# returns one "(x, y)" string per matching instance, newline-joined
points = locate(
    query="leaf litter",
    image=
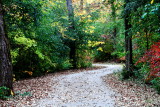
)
(132, 93)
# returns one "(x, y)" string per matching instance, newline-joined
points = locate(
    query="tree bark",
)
(71, 28)
(6, 76)
(128, 43)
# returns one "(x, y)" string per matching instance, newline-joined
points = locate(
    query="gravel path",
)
(72, 88)
(84, 89)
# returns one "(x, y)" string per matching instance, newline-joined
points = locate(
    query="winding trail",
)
(83, 89)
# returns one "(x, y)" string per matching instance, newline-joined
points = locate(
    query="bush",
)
(151, 59)
(104, 49)
(156, 84)
(126, 74)
(4, 92)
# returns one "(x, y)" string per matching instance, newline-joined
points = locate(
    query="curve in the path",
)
(84, 89)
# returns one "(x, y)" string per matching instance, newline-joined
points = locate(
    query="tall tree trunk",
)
(70, 15)
(113, 18)
(71, 28)
(128, 44)
(81, 5)
(6, 78)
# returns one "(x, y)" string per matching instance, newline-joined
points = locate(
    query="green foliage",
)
(143, 71)
(104, 50)
(40, 38)
(39, 35)
(18, 93)
(151, 10)
(156, 84)
(36, 30)
(126, 74)
(145, 31)
(4, 92)
(114, 28)
(85, 57)
(144, 18)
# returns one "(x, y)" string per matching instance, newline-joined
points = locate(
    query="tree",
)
(128, 42)
(113, 14)
(71, 28)
(130, 8)
(81, 4)
(6, 78)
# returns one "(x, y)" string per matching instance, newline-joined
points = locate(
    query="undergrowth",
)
(4, 92)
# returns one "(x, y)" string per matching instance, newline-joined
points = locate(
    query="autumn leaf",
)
(12, 93)
(152, 1)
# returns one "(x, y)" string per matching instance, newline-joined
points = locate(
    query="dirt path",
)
(84, 89)
(72, 88)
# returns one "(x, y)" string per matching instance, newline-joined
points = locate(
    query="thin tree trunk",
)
(128, 44)
(71, 28)
(6, 78)
(147, 41)
(81, 5)
(70, 15)
(113, 17)
(114, 31)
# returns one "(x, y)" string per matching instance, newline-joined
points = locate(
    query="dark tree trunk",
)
(6, 78)
(115, 33)
(73, 53)
(128, 44)
(71, 28)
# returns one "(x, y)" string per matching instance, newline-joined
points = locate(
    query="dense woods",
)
(45, 36)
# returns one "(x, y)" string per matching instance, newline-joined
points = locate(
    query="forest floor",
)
(98, 87)
(133, 92)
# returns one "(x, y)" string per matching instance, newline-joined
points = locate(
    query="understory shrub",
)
(104, 49)
(150, 66)
(4, 92)
(151, 59)
(84, 56)
(126, 74)
(156, 84)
